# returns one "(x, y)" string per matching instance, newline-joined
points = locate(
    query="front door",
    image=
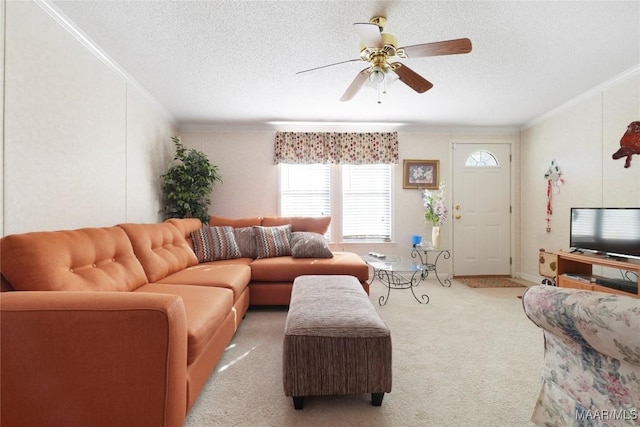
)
(481, 209)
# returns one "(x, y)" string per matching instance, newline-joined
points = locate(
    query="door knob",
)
(458, 216)
(457, 207)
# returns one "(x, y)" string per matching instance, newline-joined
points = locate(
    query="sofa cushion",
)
(214, 243)
(287, 268)
(206, 309)
(161, 248)
(186, 226)
(246, 240)
(234, 276)
(234, 222)
(88, 259)
(273, 241)
(318, 224)
(305, 244)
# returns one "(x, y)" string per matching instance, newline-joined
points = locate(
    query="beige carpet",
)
(469, 357)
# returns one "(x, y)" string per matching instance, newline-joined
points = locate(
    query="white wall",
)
(2, 50)
(245, 162)
(581, 137)
(82, 145)
(250, 179)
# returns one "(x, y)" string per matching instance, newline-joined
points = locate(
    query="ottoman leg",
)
(376, 399)
(298, 402)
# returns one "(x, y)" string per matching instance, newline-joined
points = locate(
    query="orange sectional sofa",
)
(136, 321)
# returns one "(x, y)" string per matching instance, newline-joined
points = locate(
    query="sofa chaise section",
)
(272, 277)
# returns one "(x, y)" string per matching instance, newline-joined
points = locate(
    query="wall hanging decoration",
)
(629, 143)
(554, 181)
(421, 174)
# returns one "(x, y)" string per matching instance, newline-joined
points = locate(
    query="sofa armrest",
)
(607, 323)
(92, 358)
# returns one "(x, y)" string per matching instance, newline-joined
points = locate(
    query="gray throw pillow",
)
(246, 240)
(305, 244)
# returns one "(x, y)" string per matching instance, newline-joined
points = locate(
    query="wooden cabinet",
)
(576, 271)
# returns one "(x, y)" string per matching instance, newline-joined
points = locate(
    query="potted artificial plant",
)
(188, 183)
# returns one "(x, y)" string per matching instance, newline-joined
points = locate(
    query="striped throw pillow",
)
(215, 243)
(273, 241)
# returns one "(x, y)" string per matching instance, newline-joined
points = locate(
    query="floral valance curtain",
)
(336, 147)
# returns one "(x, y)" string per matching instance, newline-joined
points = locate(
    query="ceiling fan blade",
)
(329, 65)
(446, 47)
(369, 34)
(355, 85)
(412, 79)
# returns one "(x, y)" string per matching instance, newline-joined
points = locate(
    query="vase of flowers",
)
(435, 237)
(435, 212)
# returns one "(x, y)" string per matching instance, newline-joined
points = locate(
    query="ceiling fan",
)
(380, 50)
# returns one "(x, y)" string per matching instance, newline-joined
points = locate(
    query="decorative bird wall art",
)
(629, 143)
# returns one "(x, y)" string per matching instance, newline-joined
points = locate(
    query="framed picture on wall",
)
(421, 174)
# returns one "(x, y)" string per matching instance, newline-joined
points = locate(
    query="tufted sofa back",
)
(318, 224)
(88, 259)
(161, 248)
(186, 226)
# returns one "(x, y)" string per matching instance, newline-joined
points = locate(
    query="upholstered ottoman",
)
(334, 341)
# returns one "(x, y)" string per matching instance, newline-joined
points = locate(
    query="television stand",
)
(576, 271)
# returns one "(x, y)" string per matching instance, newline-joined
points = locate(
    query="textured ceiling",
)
(233, 63)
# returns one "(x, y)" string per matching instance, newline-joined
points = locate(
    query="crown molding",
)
(584, 96)
(310, 126)
(68, 25)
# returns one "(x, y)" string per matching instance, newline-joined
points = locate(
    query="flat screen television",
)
(611, 231)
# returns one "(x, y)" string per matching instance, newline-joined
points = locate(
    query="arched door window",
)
(481, 159)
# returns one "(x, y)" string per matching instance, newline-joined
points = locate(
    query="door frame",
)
(514, 183)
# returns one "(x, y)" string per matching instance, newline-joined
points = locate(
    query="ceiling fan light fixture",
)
(376, 76)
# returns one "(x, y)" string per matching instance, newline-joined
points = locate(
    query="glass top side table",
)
(428, 258)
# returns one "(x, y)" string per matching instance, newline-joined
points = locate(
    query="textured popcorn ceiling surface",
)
(233, 63)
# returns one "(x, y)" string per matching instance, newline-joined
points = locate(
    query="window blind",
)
(305, 190)
(366, 202)
(363, 205)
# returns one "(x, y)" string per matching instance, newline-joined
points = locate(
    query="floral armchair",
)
(591, 370)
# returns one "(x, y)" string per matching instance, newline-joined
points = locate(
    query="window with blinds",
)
(305, 190)
(366, 202)
(362, 201)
